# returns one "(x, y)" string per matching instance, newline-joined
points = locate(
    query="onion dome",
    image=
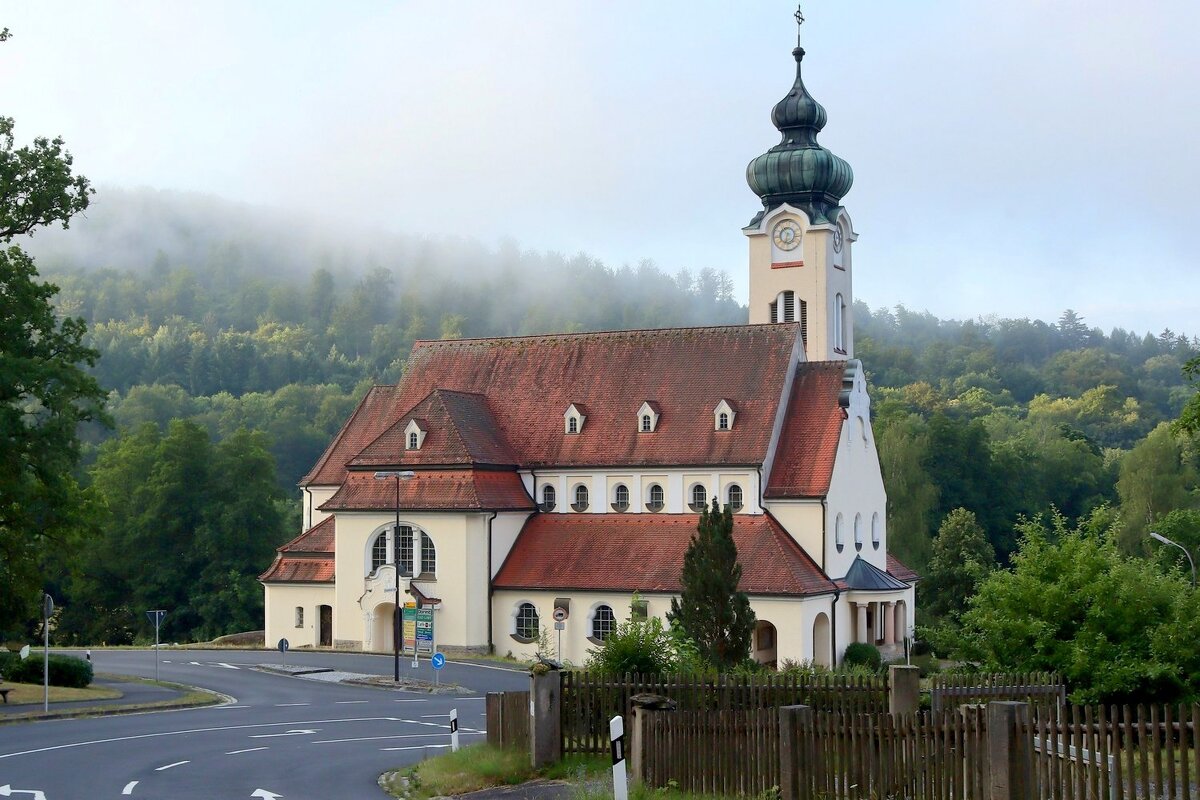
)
(799, 171)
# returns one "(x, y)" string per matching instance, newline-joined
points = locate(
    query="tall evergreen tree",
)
(710, 609)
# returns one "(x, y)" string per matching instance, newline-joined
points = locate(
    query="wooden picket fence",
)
(729, 752)
(590, 700)
(1037, 688)
(1116, 753)
(508, 719)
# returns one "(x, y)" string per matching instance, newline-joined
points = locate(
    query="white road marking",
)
(297, 732)
(195, 730)
(265, 795)
(35, 794)
(349, 702)
(464, 731)
(168, 766)
(418, 747)
(224, 707)
(287, 705)
(247, 750)
(226, 666)
(129, 787)
(410, 701)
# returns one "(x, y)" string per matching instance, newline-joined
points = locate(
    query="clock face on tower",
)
(786, 235)
(837, 239)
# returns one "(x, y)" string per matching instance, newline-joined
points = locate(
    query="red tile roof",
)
(898, 570)
(317, 539)
(460, 430)
(808, 444)
(644, 552)
(299, 570)
(529, 381)
(433, 490)
(374, 414)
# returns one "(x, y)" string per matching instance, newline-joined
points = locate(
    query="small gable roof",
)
(644, 552)
(317, 539)
(808, 444)
(459, 429)
(374, 414)
(306, 559)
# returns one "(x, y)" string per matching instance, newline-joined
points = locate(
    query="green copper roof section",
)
(798, 170)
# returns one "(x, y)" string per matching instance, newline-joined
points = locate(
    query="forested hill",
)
(236, 317)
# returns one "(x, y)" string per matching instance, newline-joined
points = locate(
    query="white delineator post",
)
(616, 731)
(454, 729)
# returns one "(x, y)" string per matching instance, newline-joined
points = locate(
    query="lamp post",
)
(1159, 537)
(404, 475)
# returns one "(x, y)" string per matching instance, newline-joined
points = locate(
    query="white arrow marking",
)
(129, 787)
(168, 766)
(226, 666)
(8, 791)
(297, 732)
(265, 795)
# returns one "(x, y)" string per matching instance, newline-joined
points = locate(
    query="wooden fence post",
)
(1010, 758)
(494, 706)
(904, 689)
(545, 724)
(793, 750)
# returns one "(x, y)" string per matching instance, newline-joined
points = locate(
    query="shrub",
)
(64, 671)
(861, 654)
(639, 645)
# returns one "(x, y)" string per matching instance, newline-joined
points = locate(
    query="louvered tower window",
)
(789, 306)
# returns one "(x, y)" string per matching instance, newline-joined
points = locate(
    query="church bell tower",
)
(800, 243)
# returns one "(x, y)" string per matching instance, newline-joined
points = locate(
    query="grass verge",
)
(481, 766)
(23, 693)
(191, 697)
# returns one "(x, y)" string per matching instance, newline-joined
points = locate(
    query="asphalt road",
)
(282, 737)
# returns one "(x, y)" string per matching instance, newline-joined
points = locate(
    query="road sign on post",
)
(156, 617)
(437, 661)
(283, 648)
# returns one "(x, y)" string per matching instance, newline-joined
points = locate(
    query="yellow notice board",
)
(410, 625)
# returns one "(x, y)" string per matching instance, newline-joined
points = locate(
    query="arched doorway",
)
(822, 655)
(765, 644)
(381, 638)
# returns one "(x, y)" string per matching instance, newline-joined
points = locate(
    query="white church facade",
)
(504, 482)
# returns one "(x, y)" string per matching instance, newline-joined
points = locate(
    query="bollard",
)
(454, 729)
(616, 733)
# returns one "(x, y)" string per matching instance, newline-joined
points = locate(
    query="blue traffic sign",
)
(438, 661)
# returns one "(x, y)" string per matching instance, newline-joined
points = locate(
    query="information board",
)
(410, 625)
(424, 621)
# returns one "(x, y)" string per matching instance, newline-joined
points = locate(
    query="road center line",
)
(286, 705)
(348, 702)
(247, 750)
(129, 787)
(168, 766)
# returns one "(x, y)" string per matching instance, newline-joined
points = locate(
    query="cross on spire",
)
(799, 15)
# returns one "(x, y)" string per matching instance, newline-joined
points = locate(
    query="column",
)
(889, 623)
(861, 634)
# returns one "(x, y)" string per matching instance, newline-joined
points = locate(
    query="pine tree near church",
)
(710, 609)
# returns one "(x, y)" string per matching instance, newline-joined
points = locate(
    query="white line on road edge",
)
(225, 707)
(298, 732)
(129, 787)
(434, 716)
(410, 701)
(199, 730)
(348, 702)
(464, 731)
(247, 750)
(168, 766)
(286, 705)
(418, 747)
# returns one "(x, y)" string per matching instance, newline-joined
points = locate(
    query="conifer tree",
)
(710, 609)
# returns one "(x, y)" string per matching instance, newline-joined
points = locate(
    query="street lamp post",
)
(1160, 538)
(403, 475)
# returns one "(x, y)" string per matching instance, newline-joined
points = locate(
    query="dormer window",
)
(581, 498)
(621, 498)
(573, 419)
(549, 501)
(656, 499)
(699, 497)
(723, 416)
(414, 434)
(648, 417)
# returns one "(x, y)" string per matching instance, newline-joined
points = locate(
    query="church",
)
(511, 493)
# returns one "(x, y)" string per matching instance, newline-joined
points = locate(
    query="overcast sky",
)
(1013, 158)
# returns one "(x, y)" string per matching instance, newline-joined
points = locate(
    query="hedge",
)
(64, 670)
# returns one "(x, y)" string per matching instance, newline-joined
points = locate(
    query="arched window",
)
(735, 497)
(548, 498)
(839, 323)
(379, 551)
(647, 423)
(428, 555)
(875, 530)
(406, 550)
(839, 536)
(581, 498)
(527, 622)
(299, 616)
(572, 425)
(858, 540)
(657, 498)
(621, 498)
(723, 422)
(603, 623)
(699, 497)
(412, 441)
